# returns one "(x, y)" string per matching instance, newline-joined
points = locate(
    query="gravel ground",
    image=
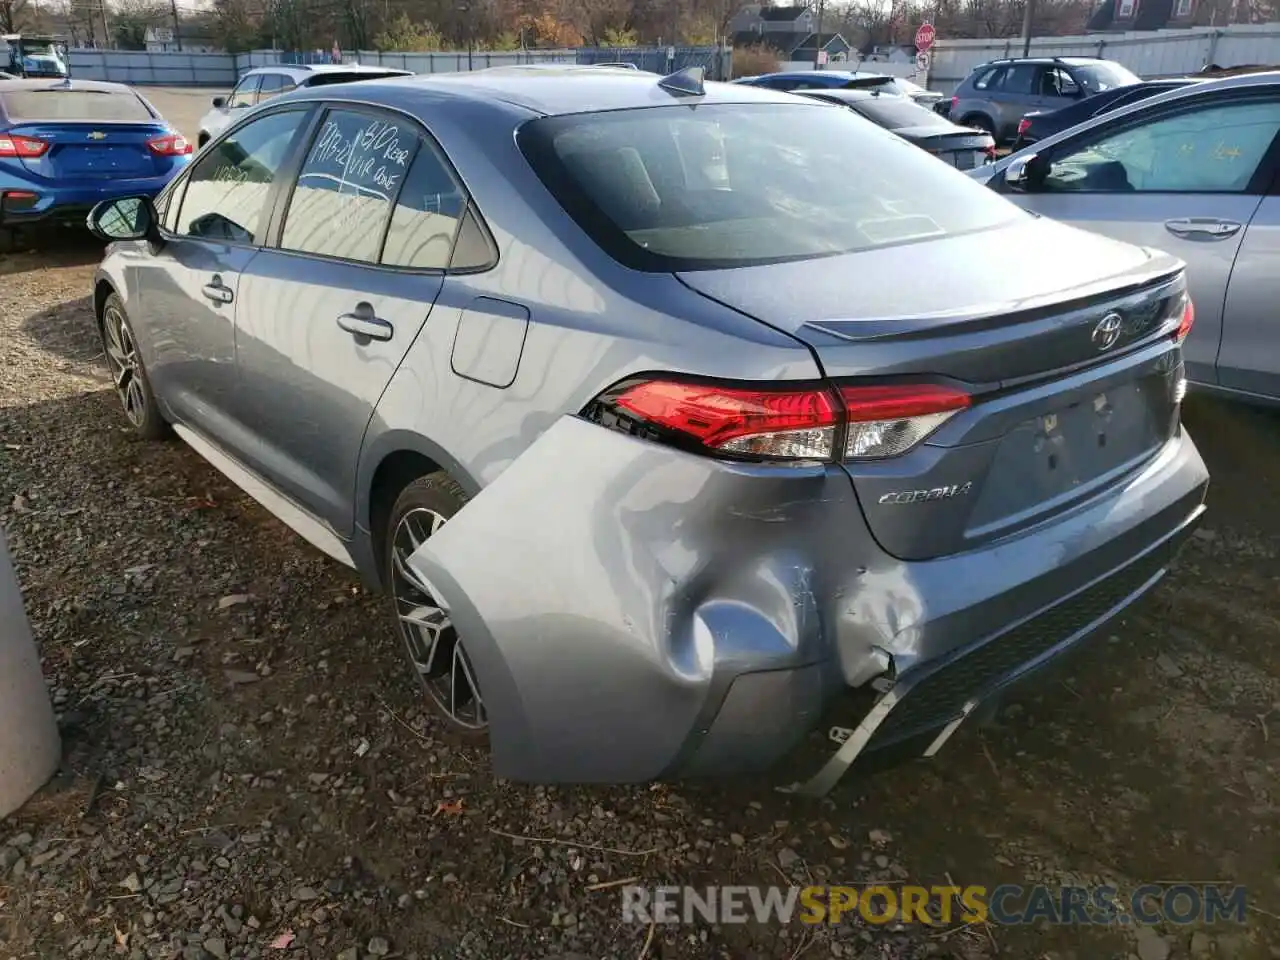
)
(248, 771)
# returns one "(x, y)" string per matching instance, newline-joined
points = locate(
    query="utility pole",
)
(177, 25)
(1027, 13)
(106, 29)
(817, 41)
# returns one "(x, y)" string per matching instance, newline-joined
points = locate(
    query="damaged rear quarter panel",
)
(681, 572)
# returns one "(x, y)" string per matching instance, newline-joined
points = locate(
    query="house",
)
(162, 40)
(890, 53)
(1119, 15)
(791, 30)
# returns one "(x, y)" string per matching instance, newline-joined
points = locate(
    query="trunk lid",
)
(1056, 417)
(964, 149)
(87, 151)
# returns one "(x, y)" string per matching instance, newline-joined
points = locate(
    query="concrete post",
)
(30, 748)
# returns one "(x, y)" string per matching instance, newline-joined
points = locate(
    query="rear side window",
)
(666, 188)
(347, 186)
(1020, 78)
(104, 106)
(986, 78)
(426, 216)
(272, 86)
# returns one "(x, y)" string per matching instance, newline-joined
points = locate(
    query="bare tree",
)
(13, 16)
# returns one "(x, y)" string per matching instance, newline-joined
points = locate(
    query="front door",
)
(1186, 179)
(1250, 356)
(326, 317)
(188, 291)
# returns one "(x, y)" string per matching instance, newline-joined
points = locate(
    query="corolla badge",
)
(926, 496)
(1107, 332)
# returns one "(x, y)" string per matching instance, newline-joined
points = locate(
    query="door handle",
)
(215, 291)
(365, 325)
(1207, 227)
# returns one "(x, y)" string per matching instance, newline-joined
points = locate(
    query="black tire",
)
(202, 140)
(128, 375)
(982, 122)
(420, 509)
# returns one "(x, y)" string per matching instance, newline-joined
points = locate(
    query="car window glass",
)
(780, 83)
(1212, 149)
(230, 184)
(246, 92)
(286, 84)
(472, 250)
(426, 215)
(271, 84)
(1019, 78)
(170, 219)
(988, 79)
(356, 165)
(1056, 82)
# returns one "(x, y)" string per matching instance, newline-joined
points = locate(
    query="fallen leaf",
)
(122, 939)
(283, 942)
(453, 808)
(840, 843)
(235, 600)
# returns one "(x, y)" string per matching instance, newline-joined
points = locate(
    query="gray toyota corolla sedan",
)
(679, 421)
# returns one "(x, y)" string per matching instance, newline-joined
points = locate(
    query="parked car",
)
(264, 83)
(1039, 124)
(823, 80)
(1194, 171)
(997, 94)
(643, 415)
(961, 147)
(66, 145)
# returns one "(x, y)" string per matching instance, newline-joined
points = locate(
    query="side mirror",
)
(129, 218)
(1025, 173)
(219, 102)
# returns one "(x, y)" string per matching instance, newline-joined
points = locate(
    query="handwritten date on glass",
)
(377, 153)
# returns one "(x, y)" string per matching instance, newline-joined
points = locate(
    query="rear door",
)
(1249, 359)
(361, 246)
(1186, 178)
(1018, 93)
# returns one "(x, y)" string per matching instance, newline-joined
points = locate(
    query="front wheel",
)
(435, 652)
(128, 376)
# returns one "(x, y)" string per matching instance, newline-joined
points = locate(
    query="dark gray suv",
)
(998, 93)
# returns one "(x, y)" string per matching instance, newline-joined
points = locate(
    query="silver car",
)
(1195, 171)
(265, 83)
(629, 395)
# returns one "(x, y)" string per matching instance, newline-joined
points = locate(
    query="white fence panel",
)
(1149, 54)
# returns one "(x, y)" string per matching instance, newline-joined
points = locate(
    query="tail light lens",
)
(955, 102)
(889, 421)
(991, 153)
(23, 148)
(170, 145)
(1188, 320)
(1023, 126)
(780, 423)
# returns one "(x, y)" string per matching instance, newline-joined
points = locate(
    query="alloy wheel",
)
(124, 366)
(429, 635)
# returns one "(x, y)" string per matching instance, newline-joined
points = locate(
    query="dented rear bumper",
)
(634, 612)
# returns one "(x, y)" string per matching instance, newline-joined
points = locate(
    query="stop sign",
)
(925, 36)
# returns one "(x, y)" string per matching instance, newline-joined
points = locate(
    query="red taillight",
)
(1187, 322)
(170, 145)
(991, 152)
(1023, 126)
(777, 423)
(23, 148)
(955, 101)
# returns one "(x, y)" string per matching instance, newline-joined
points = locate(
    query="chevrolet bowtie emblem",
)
(97, 135)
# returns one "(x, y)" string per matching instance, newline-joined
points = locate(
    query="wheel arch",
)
(389, 464)
(102, 288)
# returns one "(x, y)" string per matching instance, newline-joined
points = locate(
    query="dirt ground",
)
(247, 764)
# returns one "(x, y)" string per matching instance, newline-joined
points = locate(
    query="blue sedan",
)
(66, 145)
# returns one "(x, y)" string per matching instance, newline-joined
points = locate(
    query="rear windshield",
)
(896, 113)
(679, 188)
(95, 106)
(324, 79)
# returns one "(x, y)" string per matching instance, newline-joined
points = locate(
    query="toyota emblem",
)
(1107, 332)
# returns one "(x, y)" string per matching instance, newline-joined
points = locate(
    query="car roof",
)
(544, 90)
(53, 83)
(298, 70)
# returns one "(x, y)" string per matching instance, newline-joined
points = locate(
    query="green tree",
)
(404, 35)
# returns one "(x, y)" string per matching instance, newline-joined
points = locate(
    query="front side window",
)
(227, 193)
(1056, 82)
(666, 188)
(1212, 149)
(272, 85)
(246, 92)
(1103, 75)
(347, 186)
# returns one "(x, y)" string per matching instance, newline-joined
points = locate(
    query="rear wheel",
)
(435, 652)
(981, 121)
(128, 376)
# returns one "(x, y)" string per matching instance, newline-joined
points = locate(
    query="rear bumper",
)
(636, 613)
(62, 204)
